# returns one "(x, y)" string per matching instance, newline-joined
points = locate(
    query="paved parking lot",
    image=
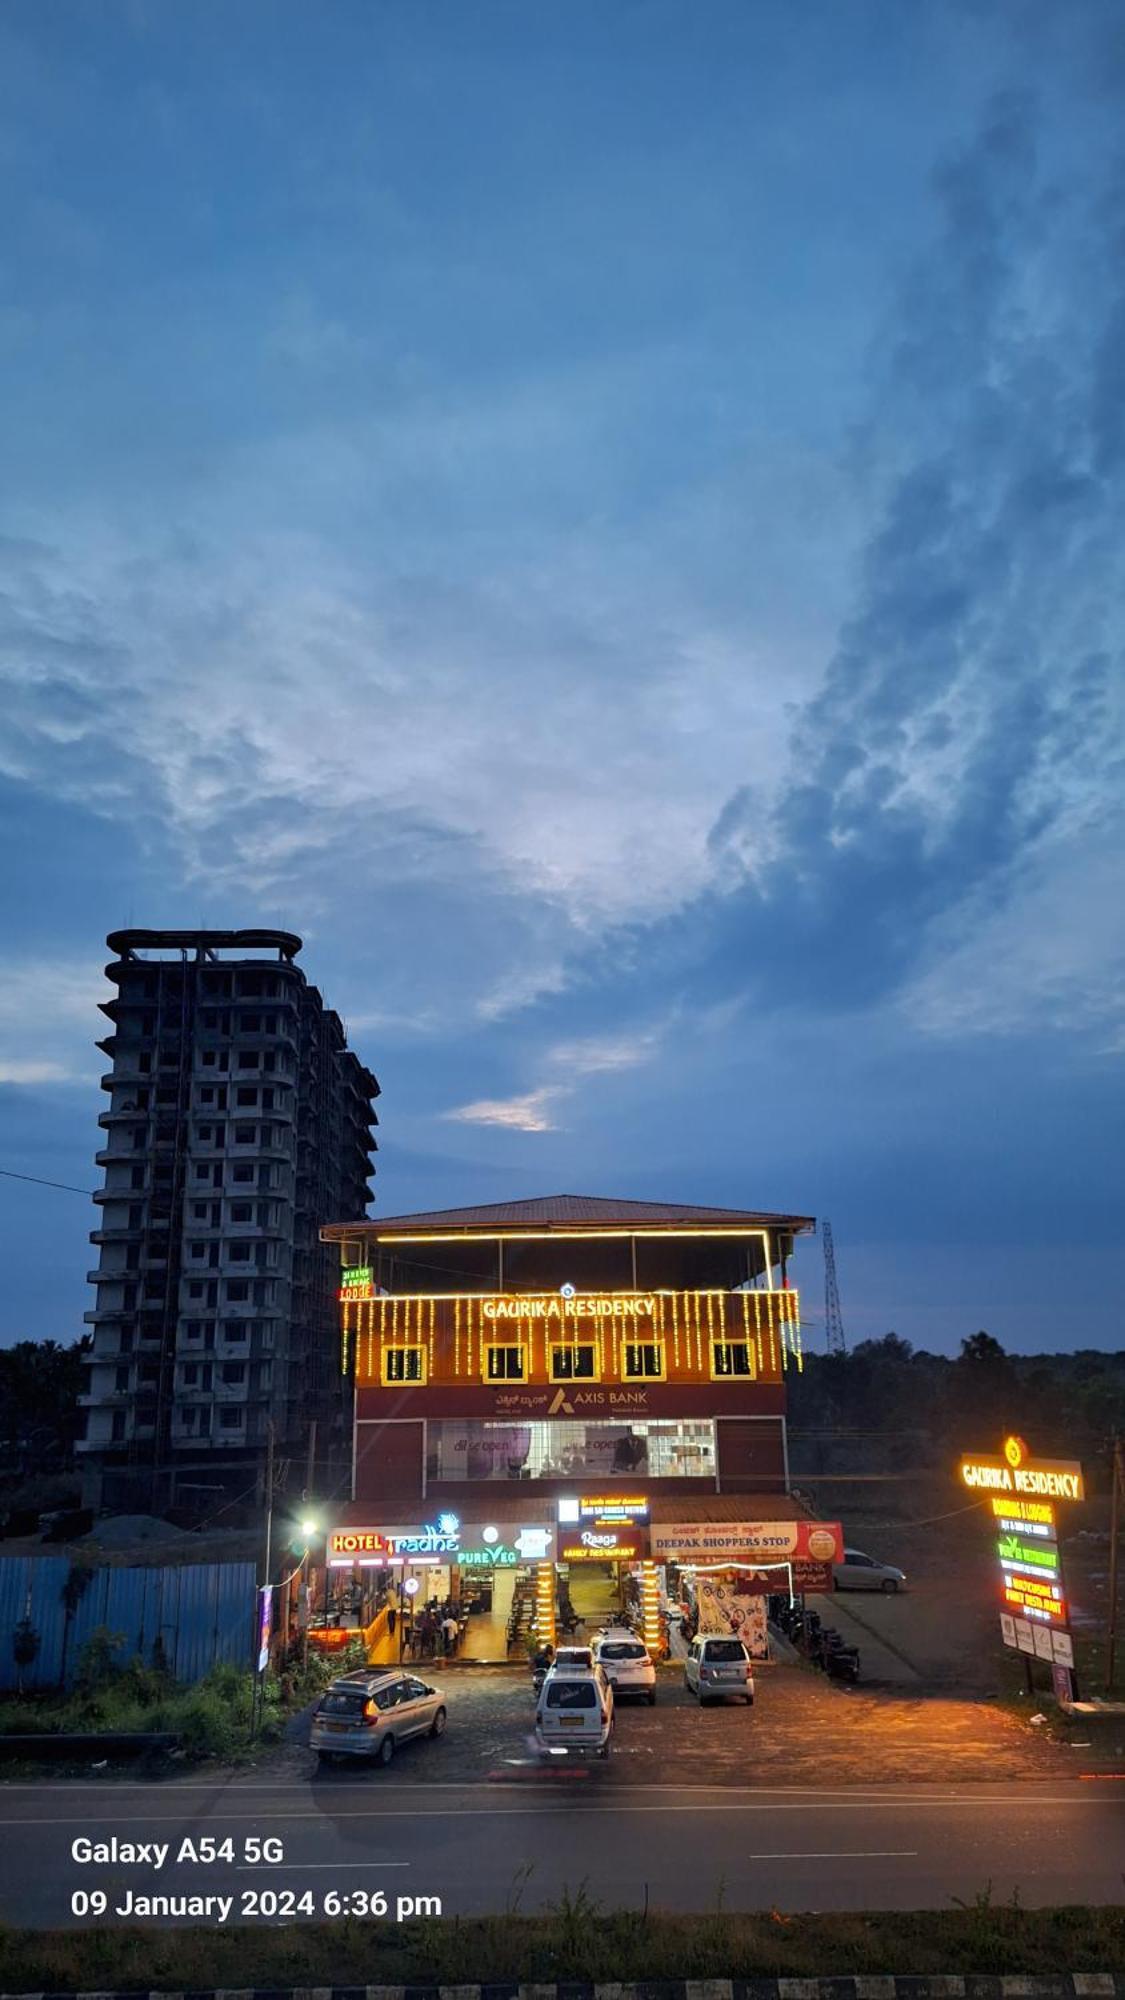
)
(802, 1730)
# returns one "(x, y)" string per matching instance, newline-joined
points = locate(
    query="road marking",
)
(846, 1854)
(552, 1808)
(172, 1789)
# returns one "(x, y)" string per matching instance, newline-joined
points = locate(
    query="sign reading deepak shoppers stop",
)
(804, 1550)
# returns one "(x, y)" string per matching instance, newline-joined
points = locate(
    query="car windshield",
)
(725, 1649)
(574, 1656)
(625, 1651)
(571, 1694)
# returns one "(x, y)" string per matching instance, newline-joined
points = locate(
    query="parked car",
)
(574, 1712)
(718, 1667)
(627, 1665)
(368, 1714)
(860, 1572)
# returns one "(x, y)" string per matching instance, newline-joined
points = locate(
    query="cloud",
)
(592, 1055)
(49, 1020)
(969, 733)
(33, 1072)
(598, 1053)
(530, 1113)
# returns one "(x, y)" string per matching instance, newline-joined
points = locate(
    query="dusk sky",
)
(608, 520)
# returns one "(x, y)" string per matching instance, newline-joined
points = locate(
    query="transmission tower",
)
(833, 1318)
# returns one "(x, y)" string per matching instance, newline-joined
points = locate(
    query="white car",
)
(574, 1659)
(860, 1572)
(574, 1712)
(627, 1665)
(717, 1667)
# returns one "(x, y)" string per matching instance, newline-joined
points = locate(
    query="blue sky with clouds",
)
(608, 520)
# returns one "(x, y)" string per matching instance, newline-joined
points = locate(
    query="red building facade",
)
(557, 1402)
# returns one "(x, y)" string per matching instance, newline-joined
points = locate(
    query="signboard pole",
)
(1066, 1601)
(1114, 1529)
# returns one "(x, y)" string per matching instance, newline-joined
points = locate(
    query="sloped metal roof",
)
(569, 1211)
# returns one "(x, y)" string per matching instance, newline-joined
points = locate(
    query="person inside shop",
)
(450, 1631)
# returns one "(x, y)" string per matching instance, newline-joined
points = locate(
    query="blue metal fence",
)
(202, 1613)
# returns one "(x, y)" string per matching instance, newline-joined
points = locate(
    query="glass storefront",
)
(457, 1452)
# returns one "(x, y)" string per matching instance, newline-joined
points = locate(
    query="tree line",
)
(884, 1399)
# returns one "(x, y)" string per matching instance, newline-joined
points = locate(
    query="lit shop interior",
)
(492, 1590)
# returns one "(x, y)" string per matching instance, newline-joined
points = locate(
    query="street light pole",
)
(259, 1681)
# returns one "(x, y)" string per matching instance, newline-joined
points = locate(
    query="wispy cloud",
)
(529, 1113)
(49, 1020)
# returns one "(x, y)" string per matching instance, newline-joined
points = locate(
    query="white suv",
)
(628, 1668)
(717, 1667)
(574, 1712)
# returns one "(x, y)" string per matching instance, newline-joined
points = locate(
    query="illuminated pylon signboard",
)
(1023, 1493)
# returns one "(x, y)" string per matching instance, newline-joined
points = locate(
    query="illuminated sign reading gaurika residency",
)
(552, 1306)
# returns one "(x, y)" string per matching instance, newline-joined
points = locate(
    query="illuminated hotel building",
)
(552, 1380)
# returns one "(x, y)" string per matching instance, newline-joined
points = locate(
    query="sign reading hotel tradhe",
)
(1034, 1478)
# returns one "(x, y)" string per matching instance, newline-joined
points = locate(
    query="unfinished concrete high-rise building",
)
(238, 1122)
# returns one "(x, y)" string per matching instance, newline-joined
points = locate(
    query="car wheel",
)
(325, 1757)
(437, 1726)
(749, 1701)
(652, 1697)
(890, 1587)
(603, 1750)
(385, 1751)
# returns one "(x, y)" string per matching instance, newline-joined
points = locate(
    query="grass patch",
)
(575, 1939)
(212, 1717)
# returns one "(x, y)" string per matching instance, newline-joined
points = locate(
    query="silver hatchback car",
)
(860, 1572)
(718, 1667)
(368, 1714)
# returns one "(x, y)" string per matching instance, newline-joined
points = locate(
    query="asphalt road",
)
(520, 1842)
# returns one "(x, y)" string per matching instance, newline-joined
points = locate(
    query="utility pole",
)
(833, 1318)
(267, 1563)
(269, 1502)
(1114, 1531)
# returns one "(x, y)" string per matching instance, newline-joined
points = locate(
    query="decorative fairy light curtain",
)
(454, 1329)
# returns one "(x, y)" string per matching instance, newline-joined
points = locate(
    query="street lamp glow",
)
(308, 1528)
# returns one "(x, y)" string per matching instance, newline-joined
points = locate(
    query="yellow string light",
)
(710, 1326)
(430, 1363)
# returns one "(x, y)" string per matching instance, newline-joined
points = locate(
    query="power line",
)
(67, 1186)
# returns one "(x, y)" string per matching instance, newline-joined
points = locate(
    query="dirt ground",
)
(946, 1625)
(802, 1730)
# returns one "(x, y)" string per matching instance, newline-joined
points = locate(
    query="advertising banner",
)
(724, 1606)
(482, 1451)
(809, 1548)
